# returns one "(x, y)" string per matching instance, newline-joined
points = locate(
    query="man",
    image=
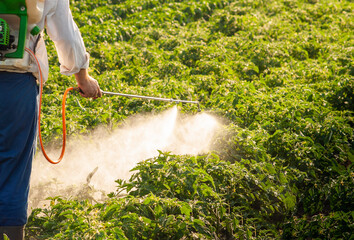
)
(19, 114)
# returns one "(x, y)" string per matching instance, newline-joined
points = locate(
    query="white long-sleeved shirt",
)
(63, 31)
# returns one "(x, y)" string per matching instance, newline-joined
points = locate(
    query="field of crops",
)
(281, 75)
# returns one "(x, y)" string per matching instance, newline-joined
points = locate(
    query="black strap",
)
(36, 42)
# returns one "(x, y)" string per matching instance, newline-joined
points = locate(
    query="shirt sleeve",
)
(66, 36)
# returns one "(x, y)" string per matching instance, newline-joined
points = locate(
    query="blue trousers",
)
(18, 134)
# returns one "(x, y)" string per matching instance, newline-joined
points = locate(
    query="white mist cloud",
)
(116, 153)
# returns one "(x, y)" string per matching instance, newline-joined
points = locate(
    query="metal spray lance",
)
(153, 98)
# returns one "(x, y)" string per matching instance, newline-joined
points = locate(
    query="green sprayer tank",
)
(18, 8)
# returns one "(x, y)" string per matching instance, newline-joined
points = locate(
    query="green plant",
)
(281, 75)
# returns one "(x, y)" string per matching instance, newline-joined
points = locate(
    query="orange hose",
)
(39, 113)
(64, 128)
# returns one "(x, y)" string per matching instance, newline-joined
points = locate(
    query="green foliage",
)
(279, 72)
(176, 197)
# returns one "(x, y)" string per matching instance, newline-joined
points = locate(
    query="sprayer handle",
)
(77, 89)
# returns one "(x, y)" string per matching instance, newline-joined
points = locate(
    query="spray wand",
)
(148, 97)
(177, 101)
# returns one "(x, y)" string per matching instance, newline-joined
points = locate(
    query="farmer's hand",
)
(89, 86)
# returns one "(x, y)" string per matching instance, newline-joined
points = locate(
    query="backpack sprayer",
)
(9, 10)
(17, 21)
